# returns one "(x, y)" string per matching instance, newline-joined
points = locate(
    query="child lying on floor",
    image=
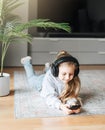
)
(60, 85)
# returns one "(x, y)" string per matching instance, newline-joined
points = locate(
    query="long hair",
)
(72, 88)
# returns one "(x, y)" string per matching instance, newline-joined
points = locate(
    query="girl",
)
(60, 85)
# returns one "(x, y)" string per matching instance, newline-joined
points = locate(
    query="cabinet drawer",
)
(54, 44)
(41, 58)
(91, 58)
(69, 44)
(91, 45)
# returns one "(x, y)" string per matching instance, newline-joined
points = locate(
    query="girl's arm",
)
(51, 96)
(51, 90)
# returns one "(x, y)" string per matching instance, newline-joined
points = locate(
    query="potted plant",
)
(11, 30)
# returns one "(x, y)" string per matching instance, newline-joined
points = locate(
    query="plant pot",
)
(5, 84)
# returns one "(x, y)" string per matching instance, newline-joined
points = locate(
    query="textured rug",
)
(28, 102)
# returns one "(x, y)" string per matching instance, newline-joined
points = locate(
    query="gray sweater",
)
(51, 89)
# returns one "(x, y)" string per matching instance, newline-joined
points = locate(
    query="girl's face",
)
(66, 72)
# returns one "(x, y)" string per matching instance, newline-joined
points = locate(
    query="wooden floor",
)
(8, 121)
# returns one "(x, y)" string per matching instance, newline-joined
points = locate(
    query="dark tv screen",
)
(85, 17)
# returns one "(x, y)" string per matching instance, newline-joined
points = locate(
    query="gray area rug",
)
(28, 102)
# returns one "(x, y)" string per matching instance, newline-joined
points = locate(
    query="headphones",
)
(55, 65)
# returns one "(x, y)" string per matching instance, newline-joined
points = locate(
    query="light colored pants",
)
(34, 80)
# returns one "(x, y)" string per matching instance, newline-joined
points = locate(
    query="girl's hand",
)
(65, 109)
(77, 110)
(68, 111)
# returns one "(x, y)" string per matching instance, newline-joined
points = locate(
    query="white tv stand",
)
(86, 50)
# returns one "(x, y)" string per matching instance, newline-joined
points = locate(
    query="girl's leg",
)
(47, 67)
(34, 80)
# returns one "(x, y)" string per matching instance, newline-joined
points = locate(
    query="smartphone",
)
(75, 107)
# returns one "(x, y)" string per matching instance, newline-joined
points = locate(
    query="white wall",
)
(18, 50)
(33, 14)
(23, 10)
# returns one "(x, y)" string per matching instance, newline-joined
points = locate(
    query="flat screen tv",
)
(85, 17)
